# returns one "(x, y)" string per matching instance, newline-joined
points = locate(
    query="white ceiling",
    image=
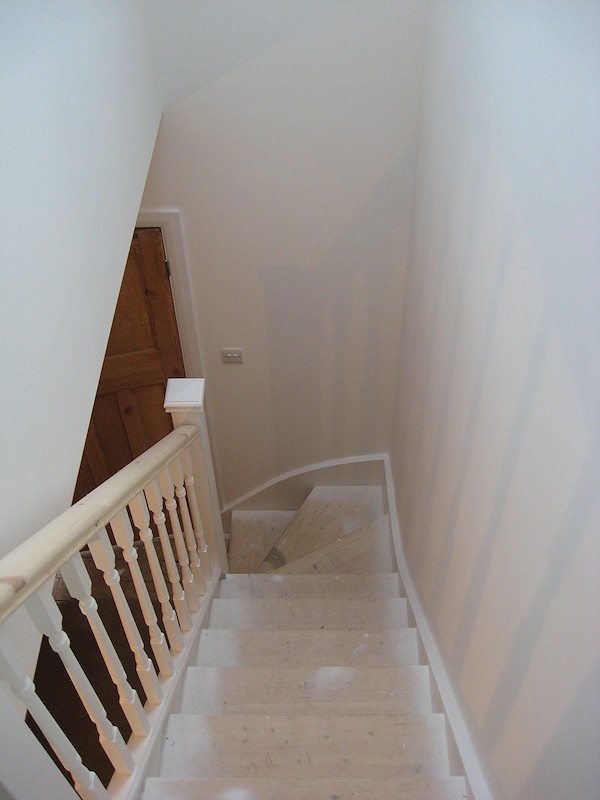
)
(194, 42)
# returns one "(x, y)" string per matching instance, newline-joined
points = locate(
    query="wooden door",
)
(143, 351)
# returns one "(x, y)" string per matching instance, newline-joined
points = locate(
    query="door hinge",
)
(167, 268)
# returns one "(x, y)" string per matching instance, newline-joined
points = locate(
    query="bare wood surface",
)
(37, 559)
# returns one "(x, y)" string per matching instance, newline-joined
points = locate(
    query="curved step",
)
(253, 535)
(308, 648)
(365, 551)
(303, 690)
(277, 585)
(328, 512)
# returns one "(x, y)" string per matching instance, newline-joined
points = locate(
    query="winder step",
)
(327, 513)
(367, 550)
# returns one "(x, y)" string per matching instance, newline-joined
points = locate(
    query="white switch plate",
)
(232, 355)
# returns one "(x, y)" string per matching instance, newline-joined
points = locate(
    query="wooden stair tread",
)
(358, 647)
(365, 551)
(244, 745)
(306, 613)
(253, 535)
(278, 585)
(417, 787)
(306, 690)
(327, 513)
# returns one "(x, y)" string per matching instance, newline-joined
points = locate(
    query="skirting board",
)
(459, 728)
(288, 491)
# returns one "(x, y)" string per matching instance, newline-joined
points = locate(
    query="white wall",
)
(79, 123)
(497, 437)
(293, 169)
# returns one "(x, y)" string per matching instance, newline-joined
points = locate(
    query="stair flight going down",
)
(307, 683)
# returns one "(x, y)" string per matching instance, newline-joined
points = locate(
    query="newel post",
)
(184, 401)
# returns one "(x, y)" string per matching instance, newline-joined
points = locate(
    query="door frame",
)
(169, 220)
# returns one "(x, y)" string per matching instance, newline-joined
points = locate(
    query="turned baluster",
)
(141, 519)
(176, 471)
(155, 504)
(12, 670)
(47, 617)
(123, 533)
(188, 582)
(78, 583)
(104, 559)
(188, 473)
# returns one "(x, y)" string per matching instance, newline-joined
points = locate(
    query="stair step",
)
(305, 690)
(416, 787)
(276, 585)
(365, 551)
(327, 513)
(308, 614)
(245, 745)
(361, 648)
(253, 534)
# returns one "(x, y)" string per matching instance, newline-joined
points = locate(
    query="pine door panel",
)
(143, 351)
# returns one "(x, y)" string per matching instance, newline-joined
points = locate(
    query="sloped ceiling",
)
(194, 43)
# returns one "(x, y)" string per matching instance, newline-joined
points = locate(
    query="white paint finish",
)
(274, 585)
(496, 449)
(303, 614)
(376, 647)
(293, 171)
(417, 788)
(290, 746)
(344, 691)
(82, 118)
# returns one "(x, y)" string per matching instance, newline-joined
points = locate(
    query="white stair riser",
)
(321, 587)
(308, 614)
(408, 788)
(361, 648)
(324, 690)
(291, 747)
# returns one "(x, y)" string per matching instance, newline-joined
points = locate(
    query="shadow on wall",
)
(328, 324)
(580, 769)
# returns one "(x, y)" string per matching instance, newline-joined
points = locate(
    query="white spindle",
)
(141, 519)
(12, 670)
(104, 559)
(123, 533)
(47, 617)
(176, 470)
(78, 583)
(155, 503)
(167, 488)
(188, 473)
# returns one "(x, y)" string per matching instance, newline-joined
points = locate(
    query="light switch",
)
(232, 355)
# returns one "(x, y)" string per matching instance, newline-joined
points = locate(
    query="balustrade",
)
(157, 570)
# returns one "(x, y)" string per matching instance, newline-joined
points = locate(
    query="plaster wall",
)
(496, 441)
(80, 119)
(293, 166)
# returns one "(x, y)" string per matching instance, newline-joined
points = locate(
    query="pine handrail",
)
(29, 565)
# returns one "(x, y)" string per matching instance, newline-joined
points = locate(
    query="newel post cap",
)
(184, 394)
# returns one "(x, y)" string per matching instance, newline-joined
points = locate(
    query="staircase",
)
(307, 683)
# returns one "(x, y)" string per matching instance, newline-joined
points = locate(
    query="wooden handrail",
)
(26, 568)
